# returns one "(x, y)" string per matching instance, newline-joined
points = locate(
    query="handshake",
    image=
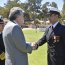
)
(34, 46)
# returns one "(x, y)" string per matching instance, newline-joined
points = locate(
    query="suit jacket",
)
(56, 44)
(16, 48)
(2, 49)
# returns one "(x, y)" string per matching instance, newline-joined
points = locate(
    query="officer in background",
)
(55, 37)
(2, 49)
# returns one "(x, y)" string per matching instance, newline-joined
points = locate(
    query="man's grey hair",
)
(14, 12)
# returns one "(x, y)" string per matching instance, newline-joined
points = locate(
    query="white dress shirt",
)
(54, 25)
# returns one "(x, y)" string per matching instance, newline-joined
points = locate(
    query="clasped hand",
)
(34, 46)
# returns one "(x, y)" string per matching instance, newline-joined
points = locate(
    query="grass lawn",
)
(38, 57)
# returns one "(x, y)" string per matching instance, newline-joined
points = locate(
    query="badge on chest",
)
(56, 39)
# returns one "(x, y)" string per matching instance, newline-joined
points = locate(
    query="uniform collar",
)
(54, 25)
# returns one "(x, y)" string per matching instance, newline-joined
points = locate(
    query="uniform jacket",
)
(56, 44)
(2, 49)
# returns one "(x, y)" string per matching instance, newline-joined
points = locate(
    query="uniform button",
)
(53, 53)
(53, 50)
(53, 46)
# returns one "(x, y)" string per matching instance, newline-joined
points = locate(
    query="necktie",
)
(51, 31)
(52, 28)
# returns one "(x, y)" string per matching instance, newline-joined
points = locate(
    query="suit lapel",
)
(50, 32)
(57, 27)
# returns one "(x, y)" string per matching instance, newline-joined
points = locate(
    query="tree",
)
(11, 4)
(53, 4)
(63, 11)
(45, 9)
(5, 10)
(34, 7)
(13, 0)
(36, 23)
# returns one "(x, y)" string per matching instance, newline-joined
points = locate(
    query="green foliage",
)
(11, 4)
(36, 21)
(45, 9)
(63, 10)
(5, 10)
(32, 9)
(54, 5)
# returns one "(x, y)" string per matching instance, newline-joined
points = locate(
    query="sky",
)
(58, 2)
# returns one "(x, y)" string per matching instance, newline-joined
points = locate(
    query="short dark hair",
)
(15, 14)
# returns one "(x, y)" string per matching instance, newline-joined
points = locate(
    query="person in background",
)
(2, 49)
(55, 37)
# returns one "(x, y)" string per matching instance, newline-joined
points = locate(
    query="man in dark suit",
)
(2, 49)
(55, 37)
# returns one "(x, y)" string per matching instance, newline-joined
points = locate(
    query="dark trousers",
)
(55, 60)
(2, 62)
